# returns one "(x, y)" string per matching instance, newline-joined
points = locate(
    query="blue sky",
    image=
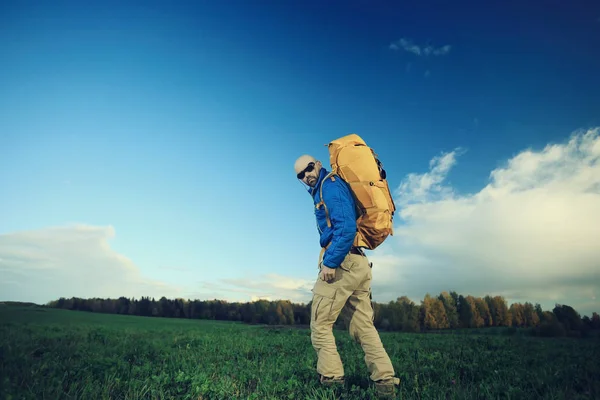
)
(148, 148)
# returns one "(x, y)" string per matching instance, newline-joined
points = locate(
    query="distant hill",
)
(19, 304)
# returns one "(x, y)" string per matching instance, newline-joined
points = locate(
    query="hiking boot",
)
(386, 389)
(334, 381)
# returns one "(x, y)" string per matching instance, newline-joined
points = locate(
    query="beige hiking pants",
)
(349, 293)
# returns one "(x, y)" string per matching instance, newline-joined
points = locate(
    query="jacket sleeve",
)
(340, 204)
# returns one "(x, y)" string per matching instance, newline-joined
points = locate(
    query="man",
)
(344, 282)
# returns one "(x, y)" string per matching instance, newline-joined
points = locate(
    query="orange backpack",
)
(358, 165)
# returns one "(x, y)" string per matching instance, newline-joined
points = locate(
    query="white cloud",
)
(272, 286)
(46, 264)
(531, 234)
(424, 187)
(256, 298)
(409, 46)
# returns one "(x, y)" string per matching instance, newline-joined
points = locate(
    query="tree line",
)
(447, 311)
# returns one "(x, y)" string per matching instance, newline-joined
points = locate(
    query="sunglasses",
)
(309, 168)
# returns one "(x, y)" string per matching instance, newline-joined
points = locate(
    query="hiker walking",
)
(354, 210)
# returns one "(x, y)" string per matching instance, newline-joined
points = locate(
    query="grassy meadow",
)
(60, 354)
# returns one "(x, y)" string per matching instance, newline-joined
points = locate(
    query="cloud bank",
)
(531, 234)
(42, 265)
(77, 261)
(408, 46)
(270, 286)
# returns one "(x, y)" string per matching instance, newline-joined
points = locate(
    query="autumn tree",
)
(483, 311)
(530, 315)
(449, 304)
(498, 310)
(517, 314)
(433, 313)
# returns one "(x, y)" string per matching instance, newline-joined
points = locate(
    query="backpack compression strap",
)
(331, 174)
(322, 253)
(321, 197)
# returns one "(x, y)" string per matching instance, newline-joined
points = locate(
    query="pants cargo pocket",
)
(323, 298)
(348, 264)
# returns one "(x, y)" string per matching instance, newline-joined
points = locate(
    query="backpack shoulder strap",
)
(322, 202)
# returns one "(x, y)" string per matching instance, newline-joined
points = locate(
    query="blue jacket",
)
(342, 214)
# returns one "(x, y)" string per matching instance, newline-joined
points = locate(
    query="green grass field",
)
(60, 354)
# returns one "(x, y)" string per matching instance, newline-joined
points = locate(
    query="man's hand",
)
(327, 274)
